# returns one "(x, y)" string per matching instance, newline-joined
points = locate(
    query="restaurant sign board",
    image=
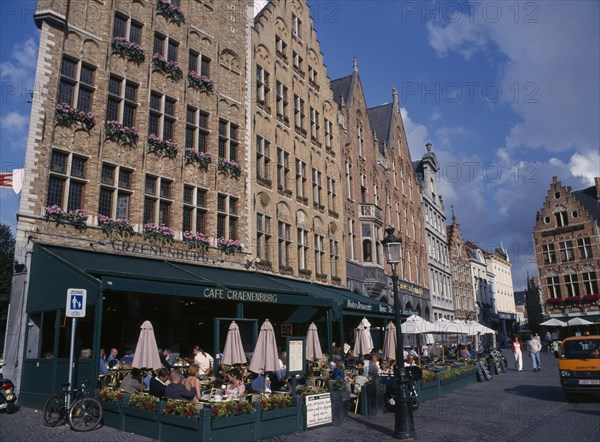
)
(318, 410)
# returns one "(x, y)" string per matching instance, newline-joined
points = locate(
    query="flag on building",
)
(12, 180)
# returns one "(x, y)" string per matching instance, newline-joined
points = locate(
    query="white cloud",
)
(14, 121)
(416, 134)
(21, 66)
(585, 166)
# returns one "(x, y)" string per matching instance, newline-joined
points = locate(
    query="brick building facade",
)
(462, 287)
(567, 247)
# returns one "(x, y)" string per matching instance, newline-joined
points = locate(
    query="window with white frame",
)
(227, 216)
(76, 87)
(282, 102)
(195, 210)
(199, 63)
(196, 129)
(285, 242)
(352, 239)
(302, 249)
(299, 112)
(262, 85)
(283, 168)
(280, 47)
(561, 216)
(161, 121)
(549, 253)
(263, 158)
(115, 191)
(590, 282)
(363, 188)
(228, 140)
(157, 200)
(300, 178)
(394, 174)
(314, 124)
(334, 257)
(317, 187)
(553, 283)
(331, 194)
(67, 180)
(328, 134)
(122, 101)
(319, 254)
(296, 26)
(165, 46)
(349, 179)
(312, 75)
(566, 251)
(585, 248)
(263, 237)
(571, 284)
(359, 139)
(367, 242)
(127, 28)
(298, 63)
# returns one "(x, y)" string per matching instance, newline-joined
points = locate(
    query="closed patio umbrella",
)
(361, 342)
(313, 346)
(389, 342)
(265, 358)
(233, 353)
(367, 325)
(146, 350)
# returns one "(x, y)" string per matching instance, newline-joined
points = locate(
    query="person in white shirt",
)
(203, 359)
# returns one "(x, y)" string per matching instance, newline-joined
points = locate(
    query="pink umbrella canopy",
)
(313, 346)
(361, 341)
(146, 351)
(233, 353)
(389, 342)
(265, 358)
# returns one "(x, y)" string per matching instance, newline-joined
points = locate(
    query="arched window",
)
(560, 213)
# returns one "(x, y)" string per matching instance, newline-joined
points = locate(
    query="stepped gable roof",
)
(341, 89)
(590, 200)
(381, 120)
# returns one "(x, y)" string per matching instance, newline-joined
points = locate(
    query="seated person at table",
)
(385, 368)
(133, 382)
(158, 383)
(103, 364)
(360, 380)
(410, 361)
(191, 382)
(235, 389)
(463, 352)
(167, 358)
(176, 390)
(112, 358)
(203, 359)
(259, 383)
(128, 356)
(338, 371)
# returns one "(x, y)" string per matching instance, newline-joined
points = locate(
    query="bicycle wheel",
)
(85, 414)
(54, 410)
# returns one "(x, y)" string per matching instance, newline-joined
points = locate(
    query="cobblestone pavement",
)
(513, 406)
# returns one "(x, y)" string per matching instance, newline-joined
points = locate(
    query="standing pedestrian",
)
(517, 349)
(534, 346)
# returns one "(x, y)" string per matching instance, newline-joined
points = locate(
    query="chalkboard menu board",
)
(318, 410)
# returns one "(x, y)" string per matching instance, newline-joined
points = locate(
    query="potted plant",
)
(340, 399)
(375, 395)
(179, 420)
(140, 416)
(233, 420)
(111, 404)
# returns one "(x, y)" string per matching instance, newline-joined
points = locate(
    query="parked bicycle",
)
(84, 413)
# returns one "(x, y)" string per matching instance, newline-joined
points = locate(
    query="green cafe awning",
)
(162, 277)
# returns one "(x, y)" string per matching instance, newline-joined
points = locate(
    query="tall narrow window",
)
(282, 101)
(157, 200)
(331, 194)
(161, 121)
(349, 179)
(590, 282)
(334, 257)
(571, 284)
(115, 191)
(280, 47)
(314, 125)
(195, 211)
(359, 139)
(299, 113)
(553, 286)
(228, 140)
(549, 253)
(125, 27)
(352, 239)
(283, 168)
(263, 237)
(263, 160)
(227, 216)
(302, 249)
(367, 235)
(122, 101)
(262, 86)
(300, 178)
(199, 63)
(284, 244)
(561, 217)
(585, 248)
(317, 188)
(67, 181)
(76, 86)
(566, 251)
(296, 26)
(196, 129)
(319, 253)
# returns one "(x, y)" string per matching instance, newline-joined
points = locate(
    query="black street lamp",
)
(404, 425)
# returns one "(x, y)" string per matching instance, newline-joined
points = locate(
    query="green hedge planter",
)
(239, 428)
(278, 422)
(178, 428)
(142, 422)
(112, 416)
(429, 390)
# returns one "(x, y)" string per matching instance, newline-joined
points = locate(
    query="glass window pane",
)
(112, 110)
(84, 101)
(203, 123)
(205, 67)
(87, 75)
(188, 194)
(55, 191)
(119, 26)
(65, 93)
(130, 91)
(75, 196)
(68, 68)
(165, 188)
(124, 178)
(135, 33)
(168, 129)
(155, 101)
(129, 115)
(148, 211)
(58, 162)
(172, 54)
(150, 185)
(105, 202)
(189, 137)
(153, 125)
(193, 62)
(187, 219)
(201, 198)
(114, 86)
(157, 48)
(122, 205)
(163, 215)
(108, 173)
(170, 107)
(78, 167)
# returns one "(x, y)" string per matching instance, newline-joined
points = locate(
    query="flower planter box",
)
(278, 422)
(112, 416)
(429, 390)
(179, 428)
(239, 428)
(142, 422)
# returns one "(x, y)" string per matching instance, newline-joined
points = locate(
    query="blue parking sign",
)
(76, 301)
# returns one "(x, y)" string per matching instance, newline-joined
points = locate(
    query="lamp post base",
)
(404, 424)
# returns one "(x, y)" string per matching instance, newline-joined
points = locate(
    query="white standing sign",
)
(76, 300)
(318, 410)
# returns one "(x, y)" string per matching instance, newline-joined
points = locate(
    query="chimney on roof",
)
(395, 94)
(355, 64)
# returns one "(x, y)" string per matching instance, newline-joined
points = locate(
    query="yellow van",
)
(579, 366)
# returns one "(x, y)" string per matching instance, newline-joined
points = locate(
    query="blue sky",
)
(507, 92)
